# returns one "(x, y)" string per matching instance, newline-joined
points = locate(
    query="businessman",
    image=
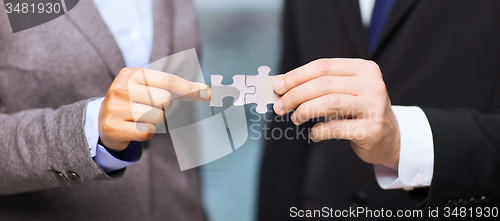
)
(68, 94)
(438, 60)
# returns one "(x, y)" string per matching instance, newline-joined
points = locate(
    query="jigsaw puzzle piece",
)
(218, 91)
(237, 90)
(264, 93)
(239, 82)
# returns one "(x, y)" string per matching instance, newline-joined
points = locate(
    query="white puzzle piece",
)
(220, 91)
(264, 93)
(252, 89)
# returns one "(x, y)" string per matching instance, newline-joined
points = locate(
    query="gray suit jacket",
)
(47, 75)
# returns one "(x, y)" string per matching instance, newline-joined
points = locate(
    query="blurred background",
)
(237, 38)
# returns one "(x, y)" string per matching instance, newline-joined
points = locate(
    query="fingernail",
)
(204, 95)
(278, 106)
(279, 85)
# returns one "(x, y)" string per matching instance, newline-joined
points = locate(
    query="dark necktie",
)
(380, 14)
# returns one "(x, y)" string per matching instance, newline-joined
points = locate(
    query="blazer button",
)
(485, 199)
(359, 199)
(460, 202)
(449, 203)
(473, 200)
(74, 178)
(60, 178)
(465, 202)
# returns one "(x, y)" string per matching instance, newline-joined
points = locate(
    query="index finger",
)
(318, 68)
(182, 88)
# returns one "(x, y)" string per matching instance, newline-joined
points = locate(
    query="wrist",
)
(112, 146)
(393, 163)
(395, 147)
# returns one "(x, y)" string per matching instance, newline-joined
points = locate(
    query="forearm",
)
(467, 151)
(462, 147)
(416, 159)
(37, 145)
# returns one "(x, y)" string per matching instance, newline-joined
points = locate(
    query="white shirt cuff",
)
(102, 157)
(91, 124)
(416, 158)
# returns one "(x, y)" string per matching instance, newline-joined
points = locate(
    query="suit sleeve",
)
(43, 148)
(466, 157)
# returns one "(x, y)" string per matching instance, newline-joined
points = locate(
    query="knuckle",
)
(323, 64)
(107, 126)
(192, 91)
(325, 83)
(151, 132)
(150, 135)
(167, 98)
(143, 136)
(158, 116)
(118, 89)
(146, 132)
(291, 97)
(167, 81)
(293, 78)
(150, 116)
(371, 65)
(332, 125)
(300, 113)
(333, 102)
(126, 73)
(111, 109)
(164, 97)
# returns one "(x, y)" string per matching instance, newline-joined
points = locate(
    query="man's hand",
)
(145, 93)
(351, 95)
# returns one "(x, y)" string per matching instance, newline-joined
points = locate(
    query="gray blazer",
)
(47, 75)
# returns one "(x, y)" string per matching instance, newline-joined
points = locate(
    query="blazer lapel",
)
(163, 16)
(86, 18)
(350, 18)
(401, 10)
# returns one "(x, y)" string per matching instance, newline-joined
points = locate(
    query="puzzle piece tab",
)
(264, 94)
(252, 89)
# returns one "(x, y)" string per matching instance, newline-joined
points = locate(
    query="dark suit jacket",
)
(47, 76)
(440, 55)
